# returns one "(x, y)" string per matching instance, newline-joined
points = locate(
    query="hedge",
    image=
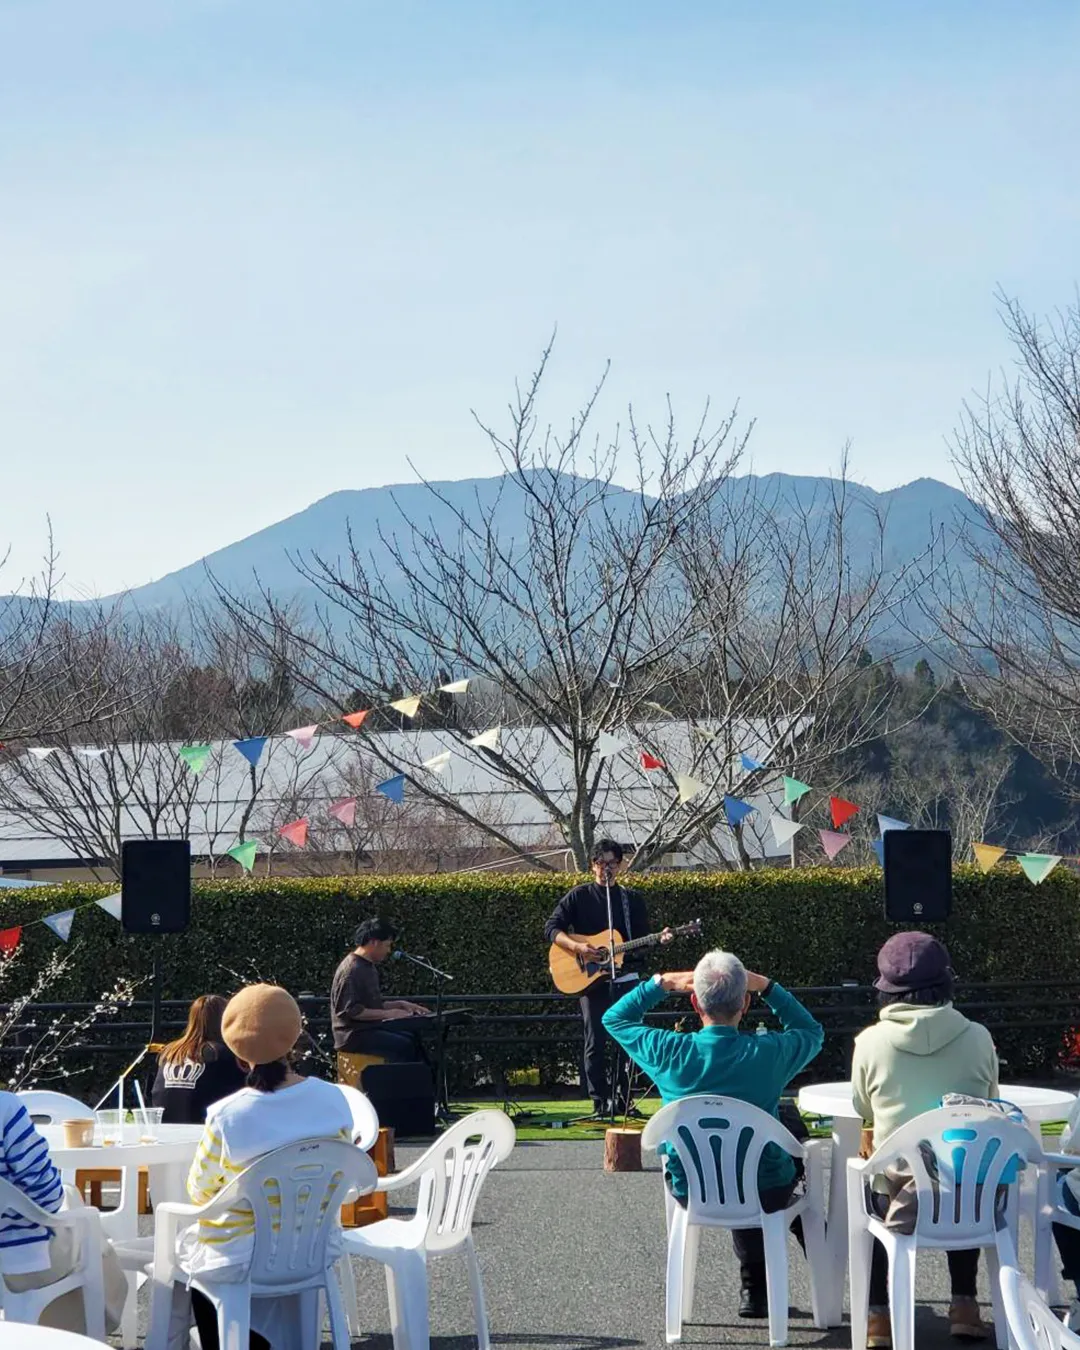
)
(817, 926)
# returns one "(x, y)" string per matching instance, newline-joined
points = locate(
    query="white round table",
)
(834, 1101)
(168, 1158)
(23, 1336)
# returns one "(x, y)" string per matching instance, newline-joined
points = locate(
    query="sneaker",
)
(965, 1322)
(753, 1303)
(879, 1331)
(1072, 1317)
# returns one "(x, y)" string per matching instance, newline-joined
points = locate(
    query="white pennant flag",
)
(61, 923)
(90, 752)
(304, 736)
(454, 687)
(606, 744)
(42, 751)
(487, 740)
(111, 905)
(688, 787)
(408, 707)
(437, 762)
(784, 830)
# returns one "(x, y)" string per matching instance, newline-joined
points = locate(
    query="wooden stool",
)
(370, 1208)
(350, 1067)
(622, 1151)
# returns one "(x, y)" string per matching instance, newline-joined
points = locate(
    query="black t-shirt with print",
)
(186, 1088)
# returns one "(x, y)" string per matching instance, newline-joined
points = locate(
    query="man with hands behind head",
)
(718, 1059)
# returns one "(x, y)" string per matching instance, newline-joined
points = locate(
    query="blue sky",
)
(254, 251)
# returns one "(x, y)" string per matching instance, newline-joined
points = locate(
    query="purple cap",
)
(911, 961)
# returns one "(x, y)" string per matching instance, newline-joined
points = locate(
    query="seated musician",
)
(363, 1022)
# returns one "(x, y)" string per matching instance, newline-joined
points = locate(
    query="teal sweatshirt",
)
(720, 1060)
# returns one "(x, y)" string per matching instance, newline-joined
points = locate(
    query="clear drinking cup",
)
(109, 1125)
(149, 1122)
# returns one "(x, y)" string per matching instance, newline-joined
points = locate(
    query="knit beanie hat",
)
(261, 1023)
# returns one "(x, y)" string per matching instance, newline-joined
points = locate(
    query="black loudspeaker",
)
(155, 885)
(918, 875)
(403, 1095)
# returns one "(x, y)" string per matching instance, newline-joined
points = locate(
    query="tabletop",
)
(23, 1336)
(174, 1144)
(1039, 1104)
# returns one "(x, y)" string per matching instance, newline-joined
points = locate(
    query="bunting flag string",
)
(1038, 866)
(356, 719)
(61, 923)
(986, 855)
(112, 905)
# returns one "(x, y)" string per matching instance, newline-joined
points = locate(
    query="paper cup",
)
(78, 1133)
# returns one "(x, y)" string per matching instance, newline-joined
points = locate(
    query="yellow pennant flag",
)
(408, 707)
(689, 787)
(986, 855)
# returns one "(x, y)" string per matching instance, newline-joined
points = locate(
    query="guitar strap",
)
(626, 913)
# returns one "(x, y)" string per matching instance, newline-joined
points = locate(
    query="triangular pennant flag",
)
(607, 744)
(60, 923)
(889, 823)
(195, 756)
(749, 763)
(244, 854)
(688, 787)
(437, 763)
(793, 790)
(394, 788)
(487, 740)
(112, 905)
(251, 748)
(356, 719)
(454, 687)
(735, 810)
(343, 810)
(832, 842)
(1038, 866)
(9, 939)
(90, 752)
(784, 831)
(295, 832)
(841, 810)
(986, 855)
(879, 851)
(650, 761)
(305, 736)
(42, 751)
(408, 707)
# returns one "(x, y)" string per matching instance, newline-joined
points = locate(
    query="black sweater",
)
(583, 911)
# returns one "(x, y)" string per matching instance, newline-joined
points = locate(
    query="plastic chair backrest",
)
(1031, 1323)
(719, 1141)
(53, 1108)
(452, 1172)
(295, 1194)
(364, 1116)
(958, 1156)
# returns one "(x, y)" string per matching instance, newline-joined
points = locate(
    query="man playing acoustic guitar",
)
(585, 910)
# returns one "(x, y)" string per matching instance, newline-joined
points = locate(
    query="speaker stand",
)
(155, 995)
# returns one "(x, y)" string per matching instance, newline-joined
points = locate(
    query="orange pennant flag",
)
(295, 832)
(841, 810)
(356, 719)
(9, 940)
(986, 855)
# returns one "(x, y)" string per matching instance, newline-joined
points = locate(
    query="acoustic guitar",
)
(573, 973)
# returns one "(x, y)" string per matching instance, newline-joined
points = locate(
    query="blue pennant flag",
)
(736, 810)
(879, 849)
(251, 749)
(60, 923)
(888, 823)
(394, 788)
(749, 763)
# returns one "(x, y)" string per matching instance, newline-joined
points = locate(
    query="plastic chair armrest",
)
(406, 1177)
(1069, 1160)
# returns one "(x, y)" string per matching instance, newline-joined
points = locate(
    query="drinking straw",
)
(142, 1106)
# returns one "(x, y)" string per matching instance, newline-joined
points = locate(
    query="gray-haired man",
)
(754, 1069)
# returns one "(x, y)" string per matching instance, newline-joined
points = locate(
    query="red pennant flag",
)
(344, 810)
(841, 810)
(356, 719)
(9, 940)
(295, 832)
(650, 761)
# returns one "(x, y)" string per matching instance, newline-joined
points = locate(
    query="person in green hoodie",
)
(919, 1049)
(717, 1059)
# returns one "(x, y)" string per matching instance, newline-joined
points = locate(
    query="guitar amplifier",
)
(403, 1095)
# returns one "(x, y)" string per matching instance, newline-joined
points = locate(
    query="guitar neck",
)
(650, 940)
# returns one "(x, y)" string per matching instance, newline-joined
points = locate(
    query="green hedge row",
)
(810, 927)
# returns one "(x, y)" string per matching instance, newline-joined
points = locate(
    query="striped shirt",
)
(25, 1163)
(239, 1130)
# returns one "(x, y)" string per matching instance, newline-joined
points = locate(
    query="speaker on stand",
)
(918, 875)
(155, 897)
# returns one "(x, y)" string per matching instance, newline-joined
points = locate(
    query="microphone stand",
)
(613, 1085)
(441, 1090)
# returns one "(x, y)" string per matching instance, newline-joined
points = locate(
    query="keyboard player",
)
(364, 1023)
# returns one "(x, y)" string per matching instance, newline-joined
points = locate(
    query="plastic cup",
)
(78, 1133)
(109, 1127)
(149, 1122)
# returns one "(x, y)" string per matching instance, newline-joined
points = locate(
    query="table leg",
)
(847, 1132)
(122, 1224)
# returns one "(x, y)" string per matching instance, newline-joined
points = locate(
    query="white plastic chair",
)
(290, 1254)
(1056, 1165)
(53, 1108)
(1032, 1324)
(365, 1117)
(719, 1142)
(451, 1173)
(87, 1276)
(957, 1210)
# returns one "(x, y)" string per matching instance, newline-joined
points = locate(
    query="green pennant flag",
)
(244, 854)
(793, 790)
(195, 756)
(1038, 866)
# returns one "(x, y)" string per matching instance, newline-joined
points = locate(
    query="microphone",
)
(419, 961)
